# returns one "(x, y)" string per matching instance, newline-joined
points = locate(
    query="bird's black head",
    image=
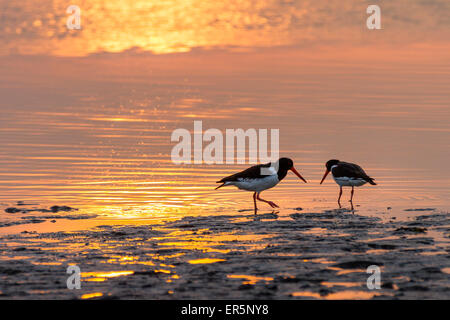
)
(331, 163)
(285, 164)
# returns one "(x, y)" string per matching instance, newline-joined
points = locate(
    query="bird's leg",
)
(272, 204)
(351, 197)
(340, 194)
(254, 202)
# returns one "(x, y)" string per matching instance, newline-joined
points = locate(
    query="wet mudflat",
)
(299, 255)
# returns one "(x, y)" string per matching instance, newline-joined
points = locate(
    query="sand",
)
(298, 255)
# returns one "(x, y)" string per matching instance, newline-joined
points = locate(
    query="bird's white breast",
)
(258, 185)
(349, 182)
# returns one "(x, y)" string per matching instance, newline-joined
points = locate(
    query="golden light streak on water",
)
(104, 275)
(249, 279)
(205, 261)
(343, 295)
(91, 295)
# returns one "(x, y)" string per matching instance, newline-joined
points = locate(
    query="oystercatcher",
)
(346, 175)
(260, 177)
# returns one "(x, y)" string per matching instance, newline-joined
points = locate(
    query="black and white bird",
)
(261, 177)
(346, 175)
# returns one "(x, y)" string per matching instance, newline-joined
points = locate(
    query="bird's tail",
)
(223, 183)
(370, 180)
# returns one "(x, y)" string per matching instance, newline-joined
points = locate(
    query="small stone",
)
(387, 285)
(411, 229)
(61, 208)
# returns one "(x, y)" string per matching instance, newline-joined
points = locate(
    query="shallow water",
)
(94, 131)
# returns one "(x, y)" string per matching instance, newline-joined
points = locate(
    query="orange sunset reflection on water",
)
(87, 114)
(31, 27)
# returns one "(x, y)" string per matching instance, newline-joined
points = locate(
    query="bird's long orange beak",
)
(325, 175)
(297, 174)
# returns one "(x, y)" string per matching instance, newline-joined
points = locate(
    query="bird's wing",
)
(250, 173)
(351, 170)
